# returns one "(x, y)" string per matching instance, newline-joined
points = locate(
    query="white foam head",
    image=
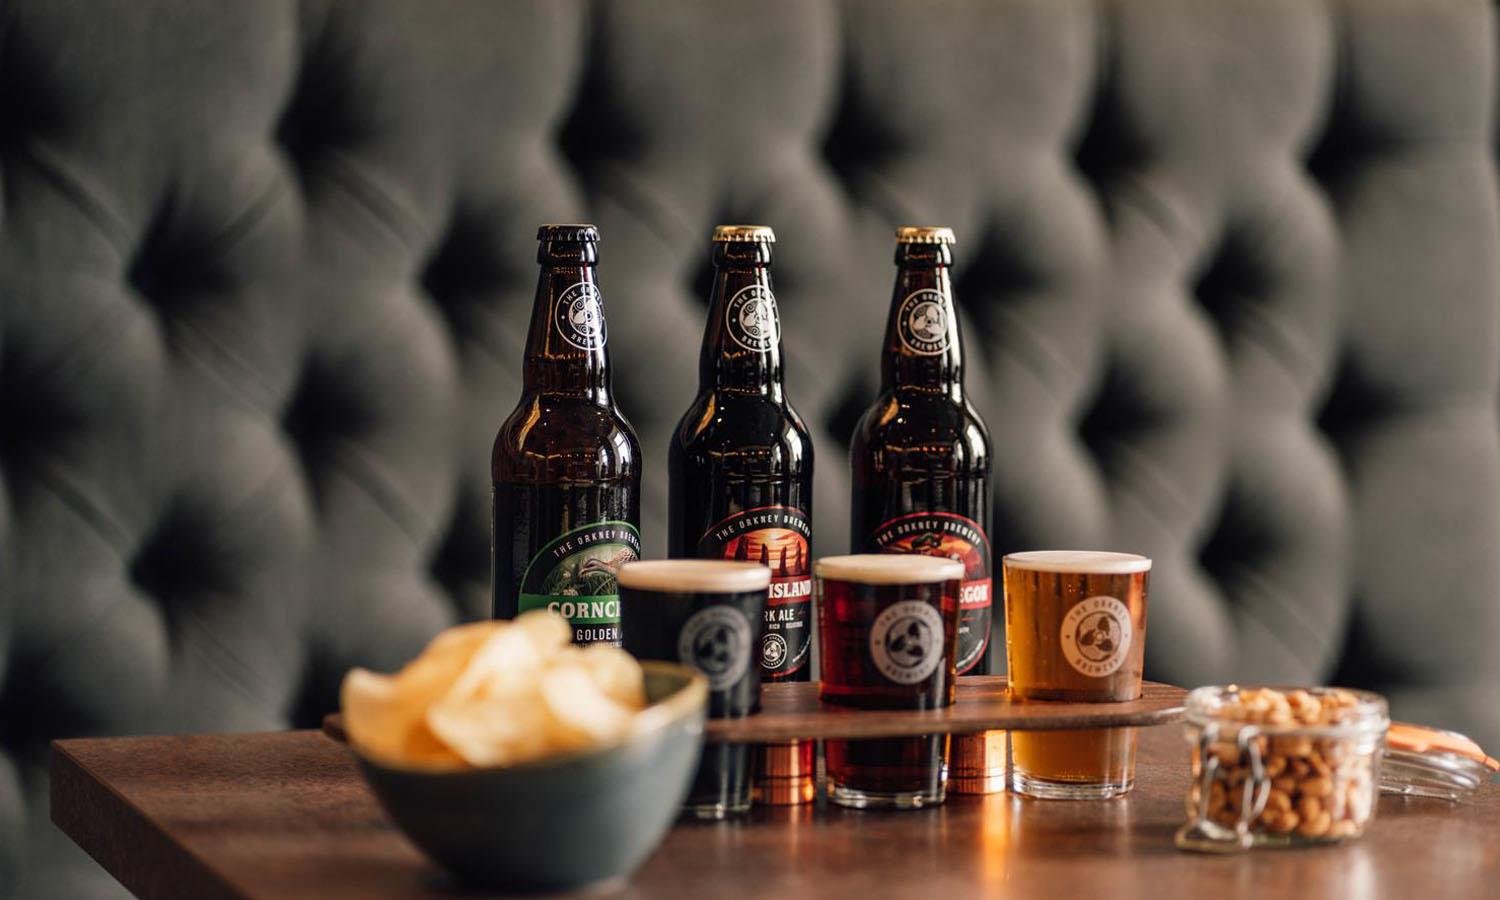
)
(701, 576)
(1079, 562)
(889, 568)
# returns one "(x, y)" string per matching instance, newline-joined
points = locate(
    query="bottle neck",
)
(566, 344)
(742, 341)
(923, 348)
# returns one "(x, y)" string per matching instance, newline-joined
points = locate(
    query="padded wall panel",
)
(1227, 274)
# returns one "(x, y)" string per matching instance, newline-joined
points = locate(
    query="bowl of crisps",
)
(522, 763)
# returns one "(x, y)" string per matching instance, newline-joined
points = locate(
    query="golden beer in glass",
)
(1075, 629)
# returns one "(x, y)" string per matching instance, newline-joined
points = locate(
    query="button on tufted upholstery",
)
(1228, 274)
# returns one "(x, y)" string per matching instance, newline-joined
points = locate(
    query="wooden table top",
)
(286, 816)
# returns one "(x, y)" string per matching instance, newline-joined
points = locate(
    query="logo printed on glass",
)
(751, 318)
(922, 323)
(906, 641)
(579, 316)
(716, 640)
(1096, 636)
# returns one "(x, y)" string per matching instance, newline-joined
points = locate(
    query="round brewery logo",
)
(1096, 636)
(772, 652)
(751, 318)
(906, 641)
(923, 323)
(716, 639)
(580, 316)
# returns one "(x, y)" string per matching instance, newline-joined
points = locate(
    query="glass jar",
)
(1281, 766)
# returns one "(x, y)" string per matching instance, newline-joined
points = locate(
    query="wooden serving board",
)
(793, 712)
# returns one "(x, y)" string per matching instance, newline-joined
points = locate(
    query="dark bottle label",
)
(778, 537)
(956, 537)
(574, 575)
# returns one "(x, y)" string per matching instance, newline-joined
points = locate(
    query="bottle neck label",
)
(578, 316)
(922, 323)
(751, 318)
(776, 537)
(955, 537)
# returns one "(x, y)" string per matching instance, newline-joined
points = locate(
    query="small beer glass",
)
(889, 640)
(1075, 629)
(707, 614)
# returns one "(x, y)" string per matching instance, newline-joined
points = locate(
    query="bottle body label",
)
(579, 316)
(955, 537)
(777, 537)
(575, 576)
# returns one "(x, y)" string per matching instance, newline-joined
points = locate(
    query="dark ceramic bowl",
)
(564, 822)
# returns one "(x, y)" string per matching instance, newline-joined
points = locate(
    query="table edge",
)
(148, 862)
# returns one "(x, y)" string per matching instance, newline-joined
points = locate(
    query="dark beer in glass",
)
(921, 467)
(706, 614)
(889, 637)
(565, 464)
(740, 478)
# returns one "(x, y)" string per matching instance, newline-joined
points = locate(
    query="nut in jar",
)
(1280, 766)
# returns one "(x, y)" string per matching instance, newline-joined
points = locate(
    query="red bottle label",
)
(777, 537)
(956, 537)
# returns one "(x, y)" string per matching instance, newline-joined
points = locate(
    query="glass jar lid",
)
(1429, 762)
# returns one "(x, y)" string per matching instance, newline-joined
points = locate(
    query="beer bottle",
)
(741, 467)
(921, 458)
(566, 464)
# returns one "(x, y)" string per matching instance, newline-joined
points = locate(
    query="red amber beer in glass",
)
(889, 640)
(1075, 630)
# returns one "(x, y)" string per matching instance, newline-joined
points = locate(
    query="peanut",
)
(1318, 786)
(1308, 807)
(1280, 801)
(1317, 826)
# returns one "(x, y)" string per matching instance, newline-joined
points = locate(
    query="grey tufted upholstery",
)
(1228, 273)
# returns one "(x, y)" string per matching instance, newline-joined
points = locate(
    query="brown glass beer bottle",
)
(566, 463)
(921, 465)
(740, 469)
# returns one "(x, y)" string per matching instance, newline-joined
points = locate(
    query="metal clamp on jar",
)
(1279, 766)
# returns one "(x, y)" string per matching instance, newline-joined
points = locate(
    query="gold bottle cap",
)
(925, 234)
(977, 763)
(746, 233)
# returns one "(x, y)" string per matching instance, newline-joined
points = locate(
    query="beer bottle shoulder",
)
(932, 427)
(552, 437)
(720, 429)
